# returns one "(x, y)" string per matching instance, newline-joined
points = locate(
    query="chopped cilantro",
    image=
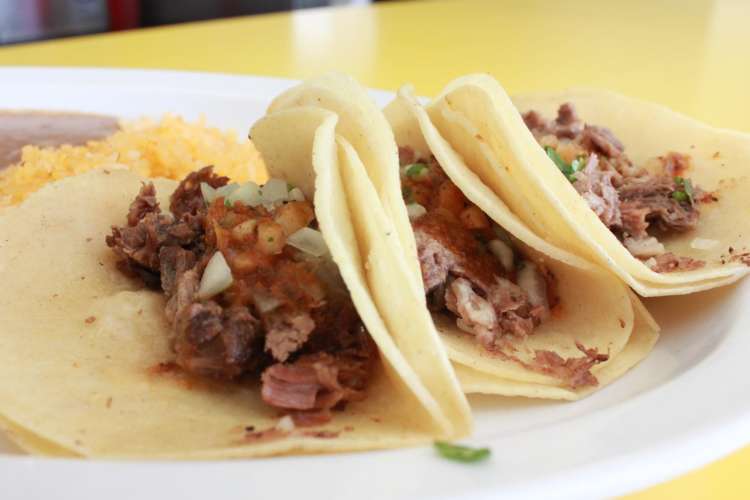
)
(289, 186)
(415, 169)
(567, 170)
(680, 196)
(460, 453)
(685, 193)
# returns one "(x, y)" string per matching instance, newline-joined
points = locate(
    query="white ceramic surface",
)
(686, 405)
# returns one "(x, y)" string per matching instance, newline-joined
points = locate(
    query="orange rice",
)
(168, 148)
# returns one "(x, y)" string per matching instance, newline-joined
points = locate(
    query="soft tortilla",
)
(80, 341)
(381, 269)
(479, 120)
(596, 309)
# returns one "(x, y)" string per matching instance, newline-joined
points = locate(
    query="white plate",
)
(686, 405)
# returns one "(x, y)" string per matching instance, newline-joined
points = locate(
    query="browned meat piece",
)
(472, 281)
(315, 382)
(286, 333)
(601, 139)
(535, 121)
(566, 114)
(173, 262)
(596, 187)
(505, 310)
(143, 204)
(567, 124)
(213, 341)
(447, 247)
(187, 198)
(575, 372)
(647, 201)
(138, 246)
(669, 262)
(183, 294)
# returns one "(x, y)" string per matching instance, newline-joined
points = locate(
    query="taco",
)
(633, 186)
(517, 315)
(207, 319)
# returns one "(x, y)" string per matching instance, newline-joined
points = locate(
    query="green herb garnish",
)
(686, 193)
(460, 453)
(289, 187)
(415, 169)
(567, 170)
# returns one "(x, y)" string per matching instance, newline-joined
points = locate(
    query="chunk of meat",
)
(647, 201)
(183, 294)
(575, 372)
(596, 187)
(143, 204)
(215, 341)
(475, 314)
(286, 333)
(445, 246)
(315, 382)
(669, 262)
(473, 283)
(137, 245)
(187, 199)
(601, 139)
(173, 262)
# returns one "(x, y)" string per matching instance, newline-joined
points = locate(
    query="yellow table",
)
(692, 56)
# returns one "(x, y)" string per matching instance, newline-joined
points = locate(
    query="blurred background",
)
(29, 20)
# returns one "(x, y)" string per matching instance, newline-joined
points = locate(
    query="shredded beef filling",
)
(286, 319)
(638, 205)
(461, 274)
(472, 272)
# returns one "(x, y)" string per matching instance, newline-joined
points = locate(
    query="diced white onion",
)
(265, 302)
(224, 191)
(503, 252)
(209, 193)
(309, 241)
(285, 424)
(415, 211)
(703, 243)
(274, 191)
(216, 278)
(247, 194)
(296, 194)
(645, 247)
(532, 282)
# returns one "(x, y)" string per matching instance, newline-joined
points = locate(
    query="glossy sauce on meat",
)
(43, 128)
